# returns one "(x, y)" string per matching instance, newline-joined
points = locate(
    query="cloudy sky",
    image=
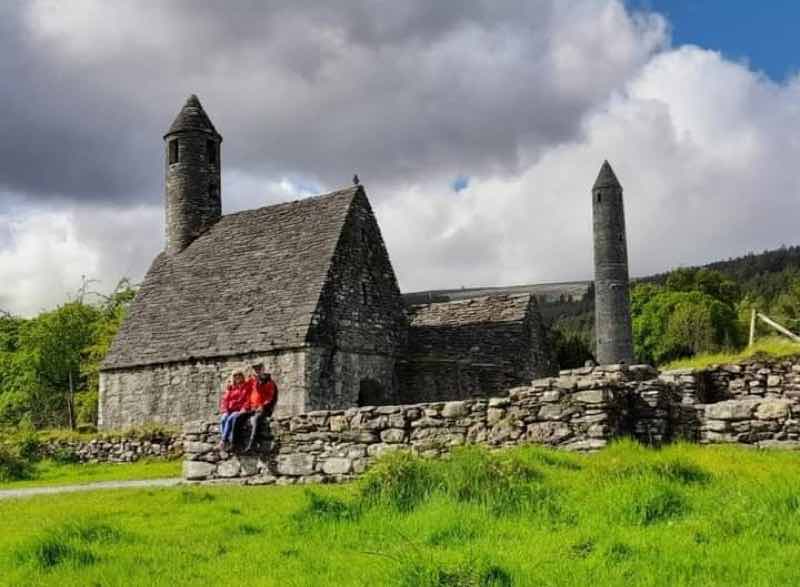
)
(477, 127)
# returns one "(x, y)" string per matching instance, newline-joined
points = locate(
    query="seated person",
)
(263, 394)
(234, 403)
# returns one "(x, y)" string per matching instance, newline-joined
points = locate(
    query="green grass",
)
(685, 515)
(769, 347)
(48, 472)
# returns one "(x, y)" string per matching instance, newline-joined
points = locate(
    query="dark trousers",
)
(256, 418)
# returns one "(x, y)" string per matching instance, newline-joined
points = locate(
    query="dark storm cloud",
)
(394, 90)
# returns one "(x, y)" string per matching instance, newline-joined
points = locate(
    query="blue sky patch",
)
(763, 34)
(460, 183)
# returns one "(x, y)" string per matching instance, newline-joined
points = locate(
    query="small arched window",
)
(211, 148)
(173, 151)
(599, 197)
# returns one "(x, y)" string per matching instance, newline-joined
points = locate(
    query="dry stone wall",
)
(113, 450)
(757, 403)
(574, 413)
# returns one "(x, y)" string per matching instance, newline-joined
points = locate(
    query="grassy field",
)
(48, 472)
(772, 347)
(685, 515)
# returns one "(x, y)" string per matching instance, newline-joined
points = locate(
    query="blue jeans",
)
(226, 423)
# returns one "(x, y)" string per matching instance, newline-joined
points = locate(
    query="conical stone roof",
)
(192, 117)
(606, 178)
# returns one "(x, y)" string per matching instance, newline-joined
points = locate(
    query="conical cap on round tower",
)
(606, 178)
(192, 117)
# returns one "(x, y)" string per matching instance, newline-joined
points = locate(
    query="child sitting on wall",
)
(234, 402)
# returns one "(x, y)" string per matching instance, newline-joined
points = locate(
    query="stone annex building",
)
(307, 288)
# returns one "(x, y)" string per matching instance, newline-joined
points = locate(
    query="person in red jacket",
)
(234, 403)
(263, 394)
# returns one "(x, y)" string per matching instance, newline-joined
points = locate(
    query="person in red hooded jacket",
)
(263, 394)
(235, 402)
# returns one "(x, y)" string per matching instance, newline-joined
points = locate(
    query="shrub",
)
(467, 573)
(64, 456)
(652, 503)
(399, 480)
(68, 544)
(13, 467)
(326, 508)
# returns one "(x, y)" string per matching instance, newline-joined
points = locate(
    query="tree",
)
(55, 341)
(672, 324)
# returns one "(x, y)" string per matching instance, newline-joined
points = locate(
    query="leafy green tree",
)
(672, 324)
(571, 342)
(55, 342)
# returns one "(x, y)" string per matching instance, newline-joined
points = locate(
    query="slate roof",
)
(476, 327)
(192, 117)
(249, 284)
(606, 178)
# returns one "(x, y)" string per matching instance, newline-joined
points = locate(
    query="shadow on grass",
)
(467, 573)
(68, 545)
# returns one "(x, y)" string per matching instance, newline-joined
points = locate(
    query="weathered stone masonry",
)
(583, 409)
(306, 287)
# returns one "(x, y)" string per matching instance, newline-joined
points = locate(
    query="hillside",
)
(764, 274)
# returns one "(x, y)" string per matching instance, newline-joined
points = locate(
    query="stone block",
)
(229, 468)
(250, 465)
(198, 447)
(717, 425)
(455, 410)
(338, 423)
(552, 411)
(337, 466)
(775, 409)
(397, 421)
(393, 435)
(295, 465)
(552, 395)
(774, 380)
(499, 402)
(427, 422)
(195, 427)
(731, 410)
(377, 450)
(548, 432)
(197, 470)
(494, 415)
(589, 444)
(590, 396)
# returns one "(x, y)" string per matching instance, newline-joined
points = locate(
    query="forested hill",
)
(761, 275)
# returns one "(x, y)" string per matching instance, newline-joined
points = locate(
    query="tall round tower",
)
(193, 200)
(612, 313)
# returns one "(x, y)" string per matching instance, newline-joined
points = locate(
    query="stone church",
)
(307, 288)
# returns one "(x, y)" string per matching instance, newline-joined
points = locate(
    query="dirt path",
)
(31, 491)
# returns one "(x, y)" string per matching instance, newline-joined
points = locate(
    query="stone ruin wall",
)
(573, 413)
(175, 393)
(113, 449)
(583, 409)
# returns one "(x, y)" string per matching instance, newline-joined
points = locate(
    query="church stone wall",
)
(175, 393)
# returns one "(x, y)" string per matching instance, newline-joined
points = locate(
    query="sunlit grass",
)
(771, 347)
(684, 515)
(48, 472)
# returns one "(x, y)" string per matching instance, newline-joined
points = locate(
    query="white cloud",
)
(526, 99)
